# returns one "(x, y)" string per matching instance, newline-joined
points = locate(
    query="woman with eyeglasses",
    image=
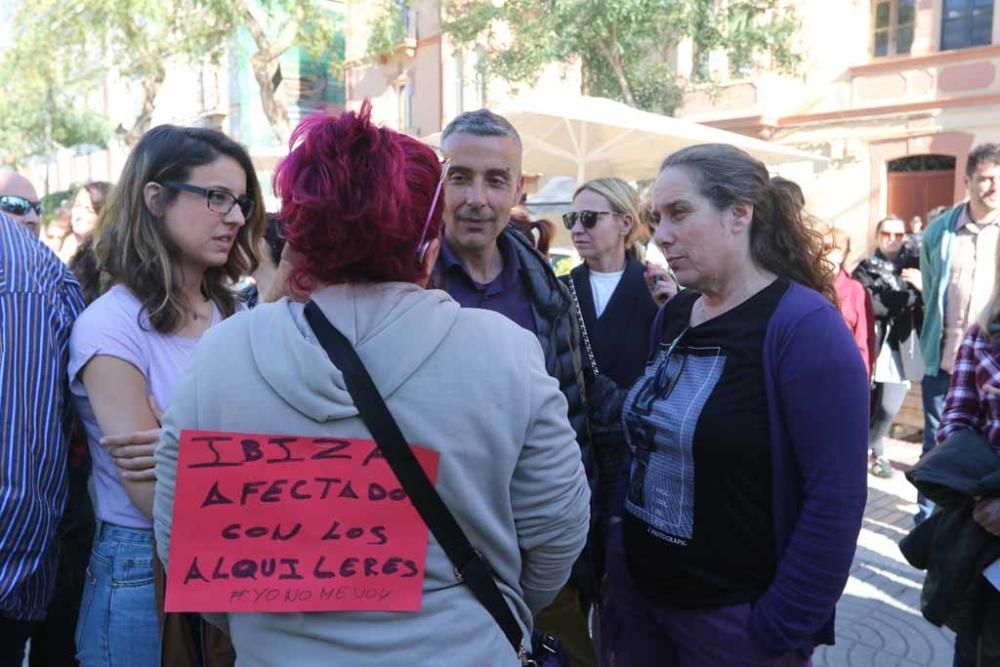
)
(175, 233)
(747, 433)
(362, 221)
(898, 310)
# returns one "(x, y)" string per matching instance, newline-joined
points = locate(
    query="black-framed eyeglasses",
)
(587, 218)
(219, 201)
(19, 205)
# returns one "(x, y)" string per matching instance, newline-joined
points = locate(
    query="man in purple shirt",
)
(505, 294)
(484, 263)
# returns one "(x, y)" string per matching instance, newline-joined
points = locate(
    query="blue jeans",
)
(934, 389)
(118, 626)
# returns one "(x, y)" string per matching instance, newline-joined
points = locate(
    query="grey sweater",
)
(465, 382)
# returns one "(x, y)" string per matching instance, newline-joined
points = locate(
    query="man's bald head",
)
(19, 200)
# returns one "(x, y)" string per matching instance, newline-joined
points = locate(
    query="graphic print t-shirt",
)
(698, 520)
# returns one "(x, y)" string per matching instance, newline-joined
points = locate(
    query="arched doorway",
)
(918, 183)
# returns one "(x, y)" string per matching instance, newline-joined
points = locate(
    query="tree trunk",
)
(609, 49)
(150, 88)
(274, 108)
(263, 63)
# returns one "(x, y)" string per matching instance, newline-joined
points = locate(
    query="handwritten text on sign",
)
(273, 523)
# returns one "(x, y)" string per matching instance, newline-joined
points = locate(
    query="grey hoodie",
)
(467, 383)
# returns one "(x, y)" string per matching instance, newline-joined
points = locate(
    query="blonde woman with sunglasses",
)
(615, 311)
(611, 293)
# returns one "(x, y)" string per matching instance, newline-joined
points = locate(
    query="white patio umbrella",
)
(591, 137)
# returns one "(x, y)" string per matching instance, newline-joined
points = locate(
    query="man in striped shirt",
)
(39, 300)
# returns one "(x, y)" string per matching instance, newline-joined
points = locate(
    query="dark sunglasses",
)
(219, 201)
(892, 235)
(587, 218)
(19, 205)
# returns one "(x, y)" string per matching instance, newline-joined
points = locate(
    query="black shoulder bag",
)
(471, 567)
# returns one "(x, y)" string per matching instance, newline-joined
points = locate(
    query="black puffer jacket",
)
(951, 546)
(558, 334)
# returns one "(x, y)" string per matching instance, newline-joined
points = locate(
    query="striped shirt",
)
(39, 299)
(968, 405)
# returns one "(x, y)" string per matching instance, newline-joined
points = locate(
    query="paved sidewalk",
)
(878, 619)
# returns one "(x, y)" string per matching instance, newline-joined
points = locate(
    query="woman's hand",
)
(661, 283)
(913, 277)
(280, 286)
(133, 452)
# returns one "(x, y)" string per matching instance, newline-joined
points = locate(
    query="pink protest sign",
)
(272, 523)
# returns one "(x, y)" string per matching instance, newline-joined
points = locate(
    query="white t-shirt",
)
(603, 286)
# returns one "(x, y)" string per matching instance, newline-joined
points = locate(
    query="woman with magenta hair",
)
(361, 218)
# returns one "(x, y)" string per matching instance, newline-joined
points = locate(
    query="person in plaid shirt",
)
(973, 402)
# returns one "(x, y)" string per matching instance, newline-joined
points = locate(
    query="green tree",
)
(276, 27)
(388, 29)
(36, 115)
(34, 120)
(624, 46)
(75, 44)
(80, 42)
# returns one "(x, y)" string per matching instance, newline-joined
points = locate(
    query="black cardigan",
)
(951, 546)
(620, 337)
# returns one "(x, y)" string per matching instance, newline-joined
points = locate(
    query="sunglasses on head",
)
(587, 218)
(19, 205)
(423, 245)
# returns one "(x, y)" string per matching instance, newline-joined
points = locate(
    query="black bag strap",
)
(470, 565)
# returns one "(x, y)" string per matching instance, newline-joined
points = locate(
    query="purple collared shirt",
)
(506, 294)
